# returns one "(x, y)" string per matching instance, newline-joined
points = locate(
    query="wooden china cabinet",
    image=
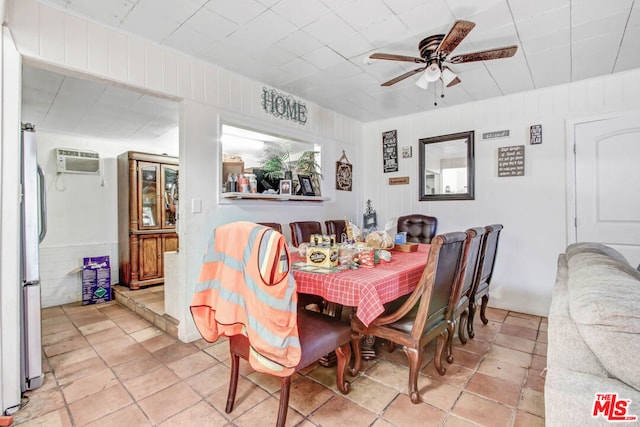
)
(146, 216)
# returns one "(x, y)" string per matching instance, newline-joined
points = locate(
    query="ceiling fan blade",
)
(454, 82)
(402, 77)
(392, 57)
(485, 55)
(458, 32)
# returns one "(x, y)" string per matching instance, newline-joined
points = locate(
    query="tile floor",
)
(109, 366)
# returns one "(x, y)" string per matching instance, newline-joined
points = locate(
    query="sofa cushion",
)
(566, 348)
(604, 301)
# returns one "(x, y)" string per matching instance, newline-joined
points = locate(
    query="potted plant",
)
(277, 163)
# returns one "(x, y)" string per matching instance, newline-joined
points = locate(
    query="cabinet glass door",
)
(148, 183)
(169, 195)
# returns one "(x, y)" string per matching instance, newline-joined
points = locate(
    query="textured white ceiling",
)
(315, 48)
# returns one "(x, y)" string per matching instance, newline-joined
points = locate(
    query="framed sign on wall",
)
(390, 151)
(344, 173)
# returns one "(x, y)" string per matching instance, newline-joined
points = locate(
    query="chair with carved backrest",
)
(423, 316)
(262, 322)
(459, 312)
(485, 272)
(276, 226)
(338, 227)
(420, 228)
(301, 231)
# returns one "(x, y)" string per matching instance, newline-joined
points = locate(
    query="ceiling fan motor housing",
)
(428, 46)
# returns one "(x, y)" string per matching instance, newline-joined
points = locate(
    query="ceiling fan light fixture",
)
(422, 82)
(433, 72)
(448, 76)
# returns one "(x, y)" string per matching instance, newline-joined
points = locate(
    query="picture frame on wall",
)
(285, 187)
(306, 185)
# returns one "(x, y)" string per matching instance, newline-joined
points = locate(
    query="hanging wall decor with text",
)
(511, 161)
(390, 151)
(344, 173)
(283, 106)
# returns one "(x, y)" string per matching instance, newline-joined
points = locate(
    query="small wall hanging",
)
(535, 134)
(344, 173)
(390, 151)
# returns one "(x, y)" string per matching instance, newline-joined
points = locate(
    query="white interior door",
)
(607, 167)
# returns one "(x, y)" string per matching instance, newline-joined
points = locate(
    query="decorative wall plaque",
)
(535, 133)
(390, 151)
(496, 134)
(400, 180)
(511, 161)
(283, 106)
(344, 173)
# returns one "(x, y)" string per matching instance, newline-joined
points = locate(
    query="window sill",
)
(272, 197)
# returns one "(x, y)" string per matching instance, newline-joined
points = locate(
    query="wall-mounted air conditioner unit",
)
(77, 161)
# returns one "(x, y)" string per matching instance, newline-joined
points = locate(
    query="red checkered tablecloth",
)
(367, 289)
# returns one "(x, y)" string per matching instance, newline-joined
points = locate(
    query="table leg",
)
(367, 350)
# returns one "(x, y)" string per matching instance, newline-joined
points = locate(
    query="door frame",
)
(570, 156)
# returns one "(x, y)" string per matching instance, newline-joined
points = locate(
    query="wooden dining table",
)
(367, 289)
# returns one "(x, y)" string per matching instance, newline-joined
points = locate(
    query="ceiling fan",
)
(434, 53)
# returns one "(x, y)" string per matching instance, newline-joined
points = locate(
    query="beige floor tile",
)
(88, 385)
(118, 341)
(339, 409)
(108, 335)
(247, 396)
(371, 394)
(535, 380)
(57, 337)
(538, 362)
(477, 346)
(390, 374)
(438, 393)
(532, 402)
(168, 402)
(533, 323)
(524, 419)
(57, 418)
(65, 346)
(495, 389)
(455, 375)
(74, 371)
(200, 414)
(133, 369)
(380, 422)
(454, 421)
(192, 364)
(402, 412)
(210, 380)
(514, 357)
(99, 404)
(483, 411)
(306, 395)
(493, 314)
(220, 350)
(93, 328)
(502, 370)
(146, 334)
(175, 351)
(465, 358)
(266, 413)
(150, 383)
(41, 403)
(540, 349)
(131, 415)
(72, 357)
(542, 336)
(125, 354)
(158, 342)
(519, 331)
(515, 343)
(132, 323)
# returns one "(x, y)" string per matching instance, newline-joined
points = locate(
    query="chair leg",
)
(284, 401)
(415, 360)
(392, 346)
(441, 340)
(471, 317)
(356, 337)
(233, 382)
(451, 328)
(462, 327)
(344, 355)
(483, 308)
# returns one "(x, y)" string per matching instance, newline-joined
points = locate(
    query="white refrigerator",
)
(33, 230)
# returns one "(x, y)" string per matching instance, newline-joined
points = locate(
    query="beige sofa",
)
(594, 338)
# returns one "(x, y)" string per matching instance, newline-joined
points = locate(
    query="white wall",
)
(532, 208)
(210, 94)
(82, 211)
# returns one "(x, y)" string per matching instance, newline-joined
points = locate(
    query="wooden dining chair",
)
(337, 227)
(459, 313)
(423, 316)
(485, 272)
(246, 292)
(301, 231)
(276, 226)
(420, 228)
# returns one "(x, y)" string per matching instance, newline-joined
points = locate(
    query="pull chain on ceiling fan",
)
(434, 52)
